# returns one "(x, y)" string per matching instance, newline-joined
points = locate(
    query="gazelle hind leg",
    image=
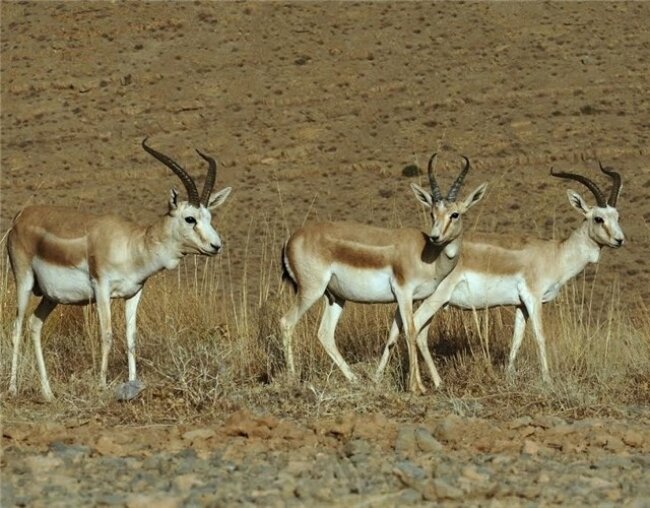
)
(288, 322)
(23, 289)
(393, 335)
(422, 322)
(517, 338)
(326, 331)
(44, 309)
(534, 308)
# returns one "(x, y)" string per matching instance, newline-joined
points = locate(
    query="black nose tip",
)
(619, 241)
(435, 238)
(215, 247)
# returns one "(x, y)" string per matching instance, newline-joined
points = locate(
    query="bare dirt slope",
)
(324, 104)
(312, 110)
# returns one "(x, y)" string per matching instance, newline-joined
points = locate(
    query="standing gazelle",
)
(351, 261)
(496, 270)
(68, 256)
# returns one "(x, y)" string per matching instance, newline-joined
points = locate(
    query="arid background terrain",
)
(313, 110)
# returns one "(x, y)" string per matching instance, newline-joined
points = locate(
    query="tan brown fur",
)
(355, 262)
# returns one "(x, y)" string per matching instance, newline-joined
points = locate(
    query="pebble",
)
(426, 442)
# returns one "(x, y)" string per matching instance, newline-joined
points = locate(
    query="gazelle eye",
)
(598, 220)
(455, 215)
(190, 220)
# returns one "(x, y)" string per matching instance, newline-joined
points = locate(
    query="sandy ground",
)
(313, 110)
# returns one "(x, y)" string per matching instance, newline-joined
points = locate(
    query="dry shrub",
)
(208, 340)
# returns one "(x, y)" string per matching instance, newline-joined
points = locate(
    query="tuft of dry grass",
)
(208, 341)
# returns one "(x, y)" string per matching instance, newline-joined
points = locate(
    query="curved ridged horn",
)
(190, 186)
(600, 198)
(616, 184)
(455, 187)
(435, 190)
(210, 179)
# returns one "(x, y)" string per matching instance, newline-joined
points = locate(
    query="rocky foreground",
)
(354, 460)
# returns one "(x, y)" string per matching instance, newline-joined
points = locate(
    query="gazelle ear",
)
(577, 202)
(474, 197)
(173, 200)
(217, 198)
(422, 196)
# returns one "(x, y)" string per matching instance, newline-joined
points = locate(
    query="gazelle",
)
(68, 256)
(496, 270)
(350, 261)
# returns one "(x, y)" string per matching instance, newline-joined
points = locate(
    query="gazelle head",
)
(446, 213)
(603, 227)
(191, 220)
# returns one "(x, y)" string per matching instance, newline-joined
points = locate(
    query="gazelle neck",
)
(159, 249)
(577, 251)
(444, 257)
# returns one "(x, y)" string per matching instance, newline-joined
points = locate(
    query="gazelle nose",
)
(435, 238)
(215, 247)
(619, 241)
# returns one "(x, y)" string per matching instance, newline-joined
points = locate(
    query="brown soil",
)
(313, 110)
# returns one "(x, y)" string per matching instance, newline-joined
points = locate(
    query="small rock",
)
(357, 447)
(471, 473)
(597, 483)
(71, 453)
(129, 390)
(106, 446)
(408, 469)
(633, 438)
(530, 447)
(520, 422)
(186, 482)
(410, 496)
(449, 429)
(199, 435)
(148, 500)
(446, 491)
(426, 442)
(547, 421)
(405, 443)
(341, 427)
(40, 464)
(615, 444)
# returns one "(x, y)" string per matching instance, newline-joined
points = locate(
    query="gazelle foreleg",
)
(422, 319)
(102, 296)
(405, 303)
(43, 310)
(130, 310)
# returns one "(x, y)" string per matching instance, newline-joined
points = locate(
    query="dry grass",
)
(208, 342)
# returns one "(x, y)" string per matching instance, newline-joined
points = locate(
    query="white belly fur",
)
(73, 284)
(479, 291)
(63, 284)
(359, 285)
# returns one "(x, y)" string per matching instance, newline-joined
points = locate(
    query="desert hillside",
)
(315, 110)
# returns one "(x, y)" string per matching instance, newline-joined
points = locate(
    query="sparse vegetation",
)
(208, 341)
